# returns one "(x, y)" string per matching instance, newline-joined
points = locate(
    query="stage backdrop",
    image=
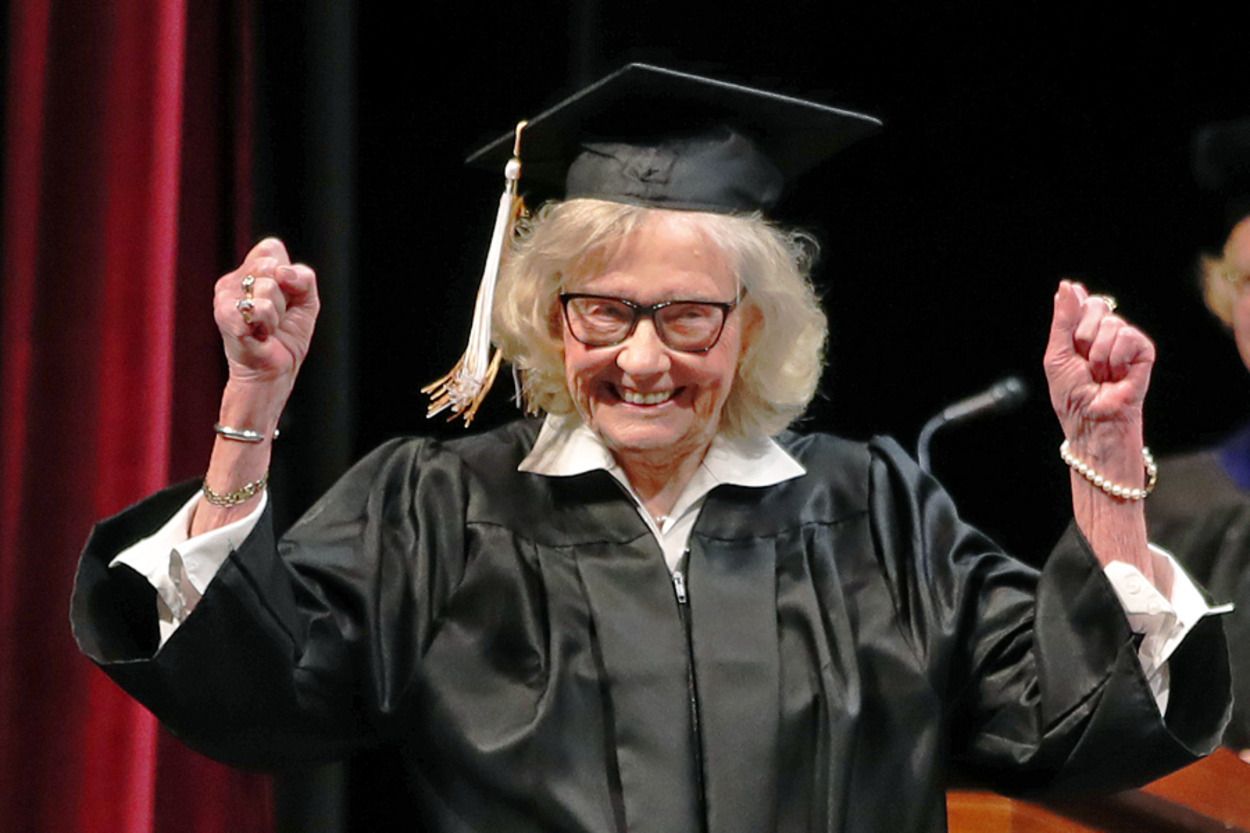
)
(125, 193)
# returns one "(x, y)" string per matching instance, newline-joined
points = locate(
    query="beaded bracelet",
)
(240, 495)
(1087, 471)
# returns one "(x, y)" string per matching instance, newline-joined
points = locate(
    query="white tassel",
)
(464, 388)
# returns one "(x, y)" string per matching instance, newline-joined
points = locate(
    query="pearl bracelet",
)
(1087, 471)
(240, 495)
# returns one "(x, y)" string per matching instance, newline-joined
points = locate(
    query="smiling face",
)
(647, 401)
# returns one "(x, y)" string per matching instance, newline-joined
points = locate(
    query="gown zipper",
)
(679, 586)
(683, 611)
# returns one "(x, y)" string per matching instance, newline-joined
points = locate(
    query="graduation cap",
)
(1221, 165)
(651, 136)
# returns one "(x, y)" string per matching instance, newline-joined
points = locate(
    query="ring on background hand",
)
(245, 307)
(1106, 299)
(248, 283)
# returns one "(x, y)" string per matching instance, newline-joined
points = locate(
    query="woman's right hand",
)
(265, 354)
(268, 351)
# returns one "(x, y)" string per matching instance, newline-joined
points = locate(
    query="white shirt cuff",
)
(180, 568)
(1162, 623)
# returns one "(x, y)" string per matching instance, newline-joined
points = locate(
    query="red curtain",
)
(126, 172)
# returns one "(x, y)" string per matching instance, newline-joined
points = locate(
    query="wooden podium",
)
(1211, 795)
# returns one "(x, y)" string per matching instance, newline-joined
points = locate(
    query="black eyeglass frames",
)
(605, 321)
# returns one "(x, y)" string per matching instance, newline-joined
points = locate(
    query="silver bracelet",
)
(242, 435)
(1087, 471)
(240, 495)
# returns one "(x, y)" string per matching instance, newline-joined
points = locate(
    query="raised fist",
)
(266, 311)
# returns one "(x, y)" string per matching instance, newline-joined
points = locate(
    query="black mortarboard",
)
(1221, 162)
(652, 136)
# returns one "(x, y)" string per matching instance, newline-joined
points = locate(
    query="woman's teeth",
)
(654, 398)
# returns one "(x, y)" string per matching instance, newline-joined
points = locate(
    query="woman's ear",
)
(555, 323)
(555, 315)
(752, 321)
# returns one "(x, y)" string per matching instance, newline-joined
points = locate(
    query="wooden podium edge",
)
(1211, 796)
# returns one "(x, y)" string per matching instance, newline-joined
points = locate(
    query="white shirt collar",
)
(566, 446)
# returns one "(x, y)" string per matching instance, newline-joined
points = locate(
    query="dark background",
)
(1024, 141)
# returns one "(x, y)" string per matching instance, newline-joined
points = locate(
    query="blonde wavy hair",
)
(781, 362)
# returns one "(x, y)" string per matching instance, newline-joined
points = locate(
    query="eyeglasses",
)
(603, 321)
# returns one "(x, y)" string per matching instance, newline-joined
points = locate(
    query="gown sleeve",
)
(1040, 673)
(299, 649)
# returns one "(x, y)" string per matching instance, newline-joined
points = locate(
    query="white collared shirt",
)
(567, 447)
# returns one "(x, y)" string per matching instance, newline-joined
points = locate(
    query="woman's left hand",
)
(1097, 366)
(1098, 369)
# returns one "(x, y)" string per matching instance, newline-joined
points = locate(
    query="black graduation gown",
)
(845, 638)
(1202, 515)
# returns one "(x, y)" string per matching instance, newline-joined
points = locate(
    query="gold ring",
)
(245, 307)
(1106, 299)
(248, 283)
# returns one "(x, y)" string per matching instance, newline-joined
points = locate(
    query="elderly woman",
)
(657, 610)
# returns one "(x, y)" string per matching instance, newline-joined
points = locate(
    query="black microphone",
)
(1004, 395)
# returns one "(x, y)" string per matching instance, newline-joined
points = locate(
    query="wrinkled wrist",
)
(253, 405)
(1112, 447)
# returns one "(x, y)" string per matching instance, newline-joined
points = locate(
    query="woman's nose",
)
(643, 354)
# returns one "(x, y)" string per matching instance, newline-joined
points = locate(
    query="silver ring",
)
(245, 307)
(1106, 299)
(248, 283)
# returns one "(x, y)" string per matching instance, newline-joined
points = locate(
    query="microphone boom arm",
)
(1007, 394)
